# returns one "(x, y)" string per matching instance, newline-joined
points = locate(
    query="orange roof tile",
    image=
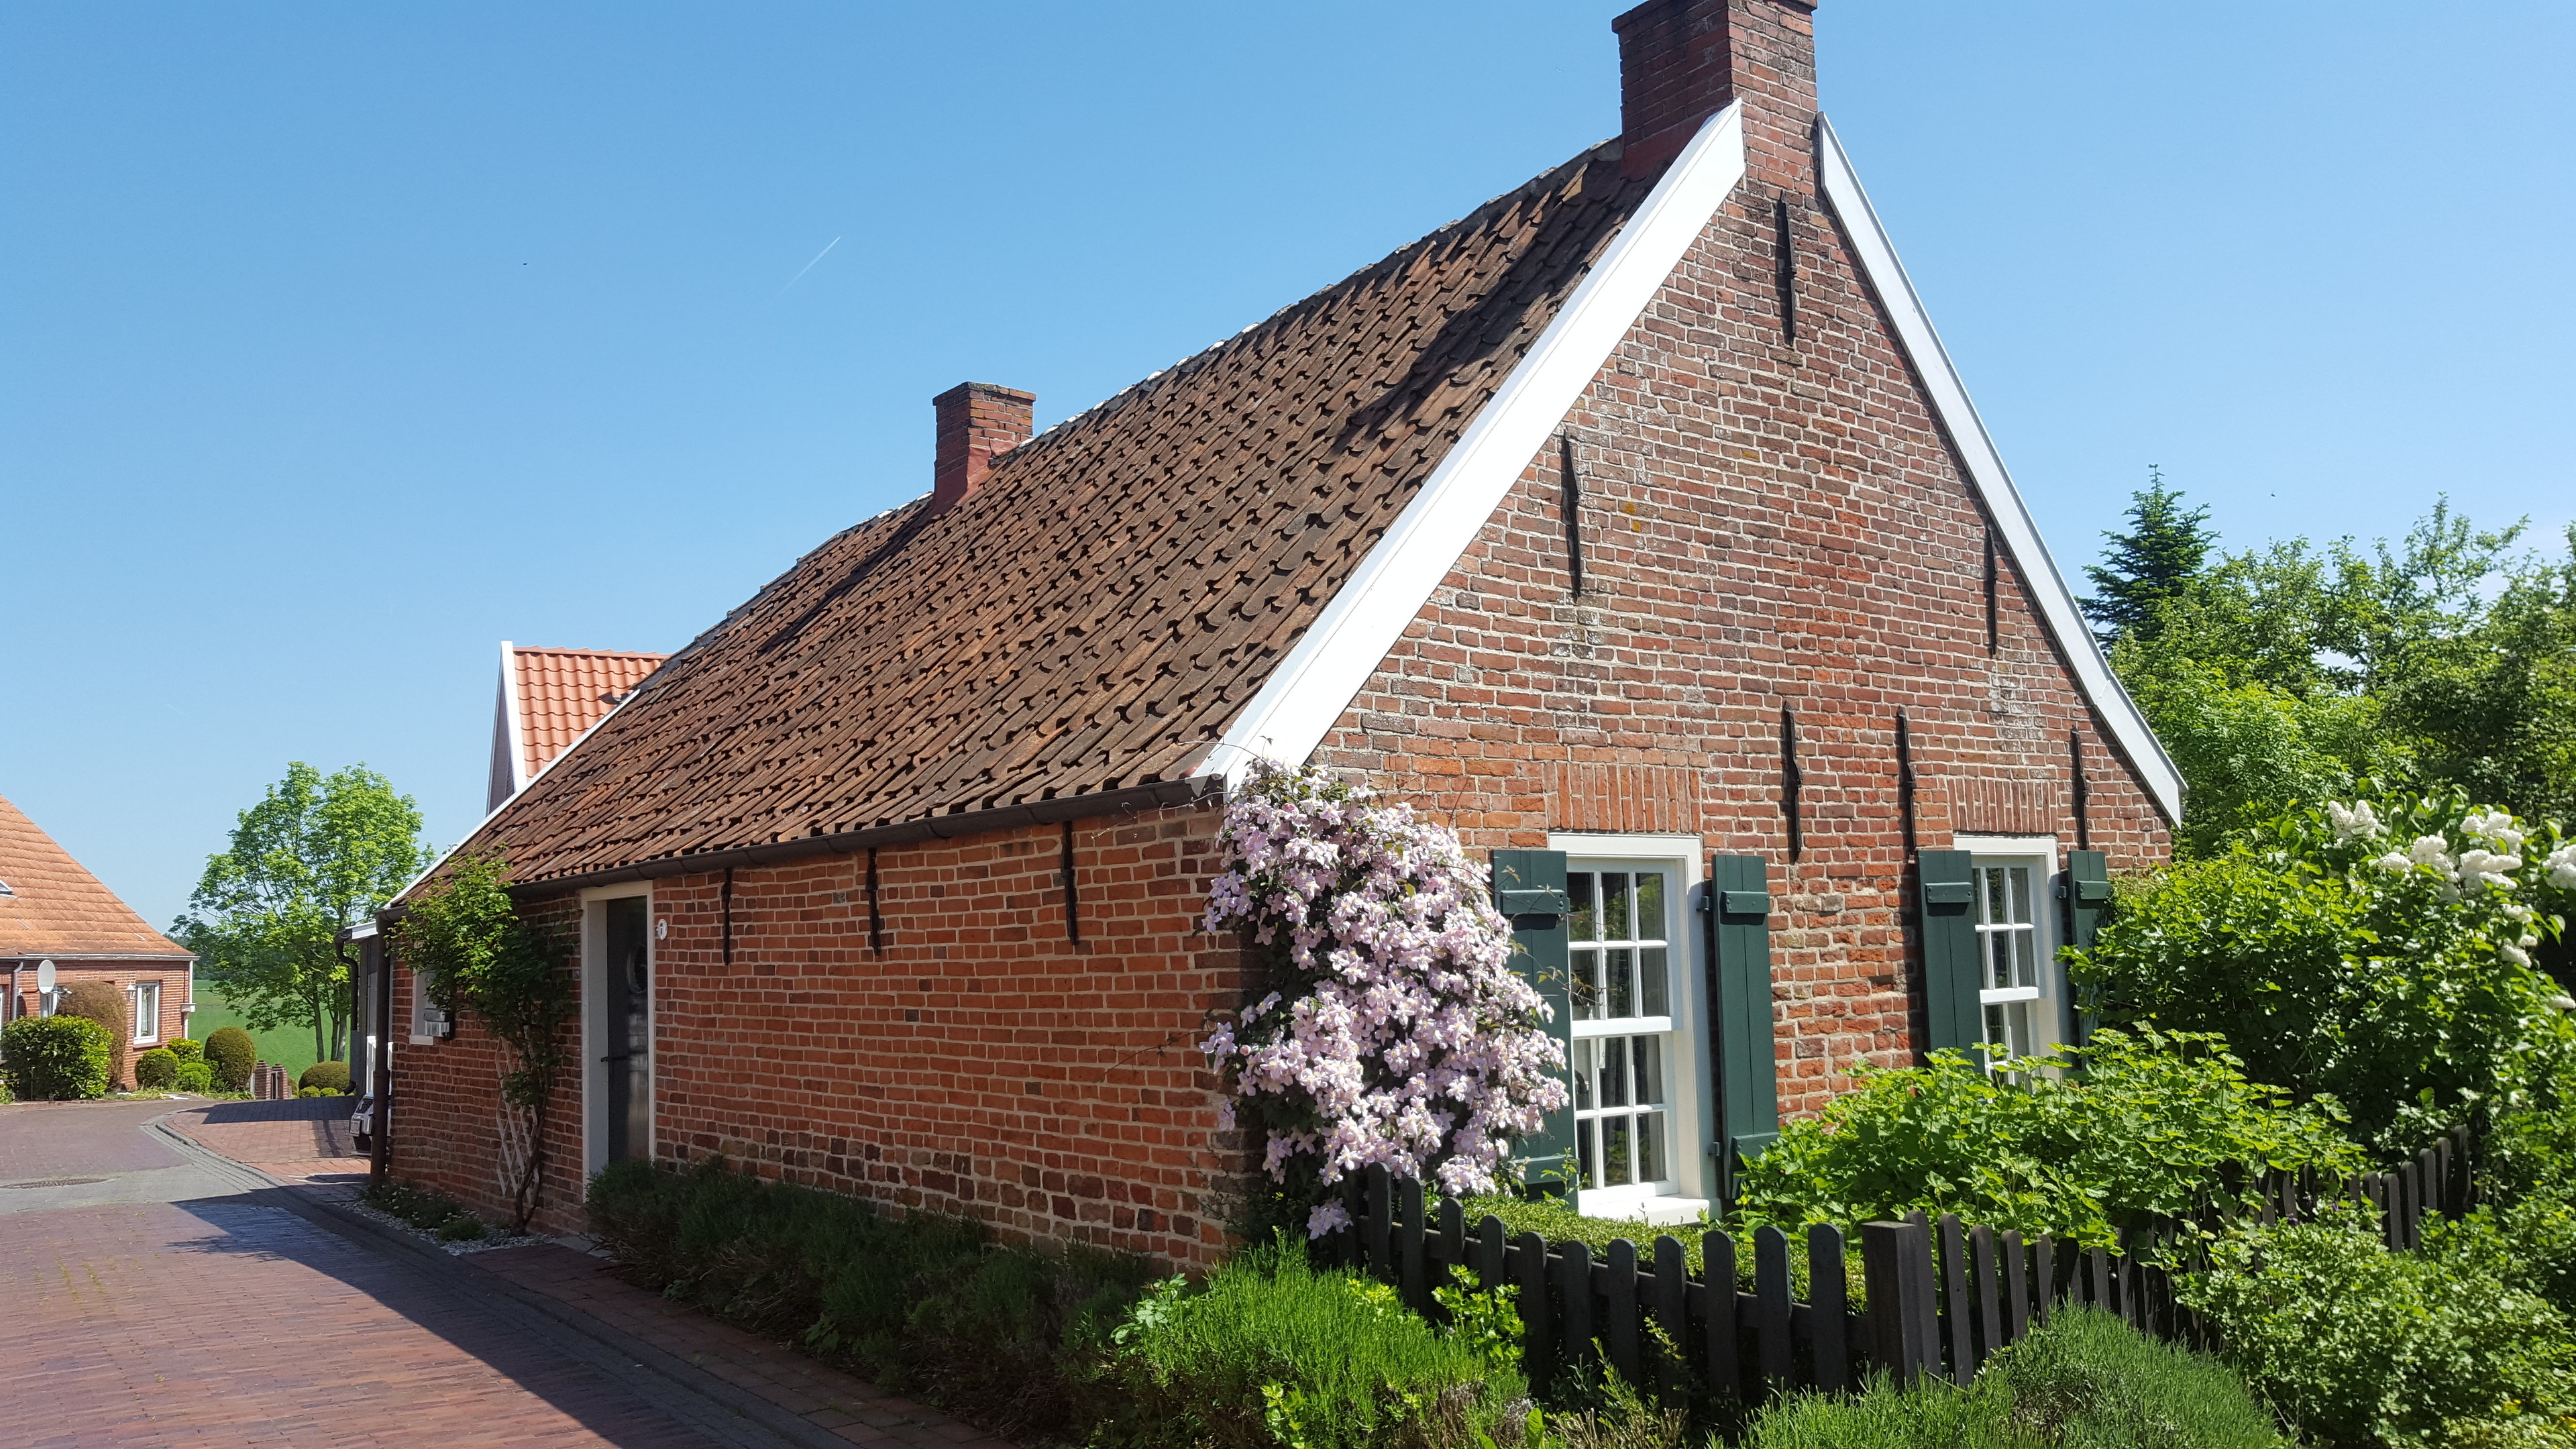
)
(55, 907)
(563, 692)
(547, 699)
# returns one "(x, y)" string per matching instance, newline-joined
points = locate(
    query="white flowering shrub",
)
(1392, 1029)
(2380, 953)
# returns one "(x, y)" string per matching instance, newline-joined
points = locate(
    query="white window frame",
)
(594, 1017)
(147, 1026)
(1683, 1196)
(2045, 1000)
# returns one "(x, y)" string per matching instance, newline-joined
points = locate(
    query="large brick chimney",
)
(1682, 61)
(978, 422)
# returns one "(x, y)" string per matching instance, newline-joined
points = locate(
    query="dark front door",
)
(630, 1032)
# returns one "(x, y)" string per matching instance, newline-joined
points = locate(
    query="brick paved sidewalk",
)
(850, 1408)
(300, 1138)
(305, 1143)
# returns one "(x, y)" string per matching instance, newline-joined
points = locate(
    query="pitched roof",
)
(1106, 602)
(55, 907)
(548, 699)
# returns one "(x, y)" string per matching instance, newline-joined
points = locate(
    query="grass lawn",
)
(289, 1046)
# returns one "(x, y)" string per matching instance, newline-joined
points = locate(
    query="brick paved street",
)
(301, 1137)
(152, 1295)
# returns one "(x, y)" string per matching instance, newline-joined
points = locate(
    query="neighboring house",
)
(51, 909)
(549, 698)
(1635, 524)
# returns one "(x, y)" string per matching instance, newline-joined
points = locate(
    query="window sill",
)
(1654, 1212)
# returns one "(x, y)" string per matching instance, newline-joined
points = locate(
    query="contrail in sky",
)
(809, 266)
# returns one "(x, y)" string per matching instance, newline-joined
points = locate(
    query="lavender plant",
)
(1393, 1030)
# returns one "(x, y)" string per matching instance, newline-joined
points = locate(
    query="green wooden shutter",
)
(1744, 1063)
(1529, 887)
(2088, 902)
(1951, 972)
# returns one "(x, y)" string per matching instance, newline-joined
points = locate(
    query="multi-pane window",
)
(147, 1011)
(2008, 954)
(1621, 956)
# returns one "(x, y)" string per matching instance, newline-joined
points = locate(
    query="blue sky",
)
(338, 343)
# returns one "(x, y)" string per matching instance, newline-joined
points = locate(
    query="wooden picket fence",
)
(1939, 1297)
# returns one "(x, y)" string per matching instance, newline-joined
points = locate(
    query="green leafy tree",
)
(464, 937)
(2286, 676)
(2491, 701)
(2160, 554)
(318, 853)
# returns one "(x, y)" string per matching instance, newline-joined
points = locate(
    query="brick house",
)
(53, 909)
(1636, 524)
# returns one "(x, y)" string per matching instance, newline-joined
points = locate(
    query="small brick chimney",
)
(978, 422)
(1682, 61)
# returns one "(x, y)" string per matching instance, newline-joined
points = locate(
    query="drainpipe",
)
(381, 972)
(374, 1107)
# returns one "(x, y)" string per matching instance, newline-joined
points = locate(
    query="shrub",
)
(462, 1228)
(232, 1053)
(2085, 1379)
(2146, 1128)
(101, 1002)
(196, 1077)
(1273, 1352)
(1393, 1030)
(420, 1207)
(329, 1076)
(921, 1303)
(2387, 965)
(56, 1058)
(156, 1069)
(2359, 1346)
(185, 1050)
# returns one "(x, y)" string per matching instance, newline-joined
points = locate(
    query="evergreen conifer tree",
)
(2155, 561)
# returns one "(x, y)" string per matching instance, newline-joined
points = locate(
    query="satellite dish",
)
(44, 976)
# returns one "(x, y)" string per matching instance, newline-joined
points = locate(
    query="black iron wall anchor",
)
(1785, 256)
(876, 914)
(1792, 779)
(1994, 585)
(2083, 790)
(1905, 778)
(1072, 900)
(1570, 485)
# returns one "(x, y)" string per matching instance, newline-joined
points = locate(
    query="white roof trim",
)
(1986, 474)
(514, 711)
(1368, 614)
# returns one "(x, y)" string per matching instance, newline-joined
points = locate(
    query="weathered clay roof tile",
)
(1109, 597)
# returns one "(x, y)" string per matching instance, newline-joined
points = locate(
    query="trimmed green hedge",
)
(56, 1058)
(156, 1069)
(231, 1052)
(327, 1076)
(923, 1304)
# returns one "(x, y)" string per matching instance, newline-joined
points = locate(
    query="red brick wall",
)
(122, 975)
(1763, 523)
(980, 1064)
(446, 1115)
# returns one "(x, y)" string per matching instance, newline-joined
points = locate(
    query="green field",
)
(290, 1047)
